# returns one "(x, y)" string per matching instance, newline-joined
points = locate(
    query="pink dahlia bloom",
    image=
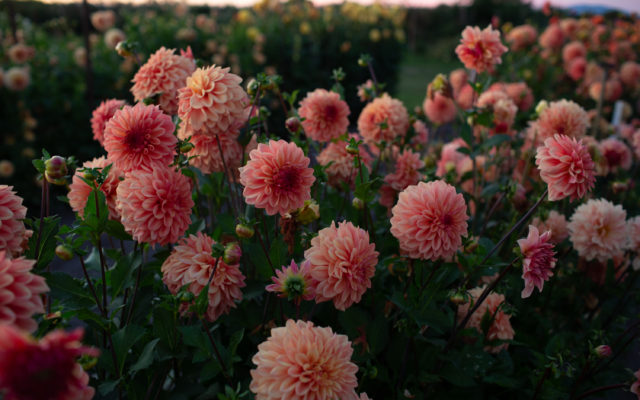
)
(479, 49)
(20, 53)
(552, 37)
(556, 223)
(635, 387)
(17, 78)
(634, 234)
(20, 293)
(612, 90)
(452, 159)
(630, 74)
(191, 263)
(503, 108)
(429, 220)
(301, 361)
(47, 369)
(566, 166)
(573, 50)
(101, 115)
(342, 168)
(79, 190)
(421, 136)
(140, 138)
(500, 328)
(518, 92)
(103, 20)
(521, 37)
(343, 261)
(213, 102)
(385, 118)
(538, 260)
(458, 78)
(464, 97)
(440, 109)
(635, 139)
(615, 155)
(406, 172)
(326, 115)
(206, 152)
(163, 74)
(598, 230)
(562, 117)
(277, 177)
(155, 207)
(293, 282)
(576, 68)
(13, 234)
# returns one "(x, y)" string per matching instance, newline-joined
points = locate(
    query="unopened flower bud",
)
(123, 49)
(292, 124)
(620, 187)
(186, 147)
(185, 296)
(232, 253)
(252, 87)
(351, 149)
(603, 351)
(357, 203)
(244, 231)
(542, 105)
(64, 252)
(457, 298)
(55, 170)
(308, 213)
(53, 316)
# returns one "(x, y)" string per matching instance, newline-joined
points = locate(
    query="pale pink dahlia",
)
(48, 369)
(421, 133)
(440, 109)
(325, 115)
(556, 223)
(191, 263)
(573, 50)
(343, 261)
(206, 152)
(429, 220)
(552, 37)
(20, 293)
(566, 166)
(406, 172)
(538, 260)
(302, 362)
(500, 328)
(79, 190)
(562, 117)
(634, 234)
(615, 155)
(458, 78)
(480, 49)
(342, 168)
(101, 115)
(155, 207)
(451, 159)
(13, 234)
(140, 138)
(163, 74)
(277, 177)
(103, 20)
(576, 68)
(293, 282)
(598, 230)
(521, 37)
(213, 102)
(385, 118)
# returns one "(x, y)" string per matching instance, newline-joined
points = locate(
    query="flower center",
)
(286, 179)
(136, 139)
(447, 220)
(613, 158)
(294, 286)
(330, 113)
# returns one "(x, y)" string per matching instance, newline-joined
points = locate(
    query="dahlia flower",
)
(140, 138)
(576, 68)
(293, 282)
(45, 369)
(556, 223)
(406, 172)
(385, 118)
(20, 53)
(163, 73)
(521, 37)
(301, 361)
(630, 74)
(634, 234)
(103, 20)
(635, 387)
(538, 260)
(421, 133)
(79, 191)
(429, 220)
(13, 234)
(114, 36)
(17, 78)
(440, 109)
(552, 37)
(573, 50)
(277, 177)
(615, 155)
(458, 78)
(206, 153)
(342, 168)
(562, 117)
(191, 263)
(101, 115)
(155, 207)
(480, 49)
(598, 230)
(325, 115)
(343, 261)
(566, 166)
(451, 158)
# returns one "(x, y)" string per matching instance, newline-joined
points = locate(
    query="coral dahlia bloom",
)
(20, 292)
(552, 37)
(206, 153)
(213, 102)
(293, 282)
(538, 261)
(429, 220)
(326, 115)
(277, 177)
(343, 261)
(521, 37)
(385, 118)
(458, 78)
(500, 328)
(140, 138)
(566, 166)
(155, 207)
(163, 73)
(562, 117)
(301, 361)
(31, 370)
(615, 155)
(598, 230)
(79, 191)
(576, 68)
(191, 263)
(13, 234)
(407, 171)
(113, 37)
(440, 109)
(452, 159)
(342, 168)
(101, 115)
(573, 50)
(480, 49)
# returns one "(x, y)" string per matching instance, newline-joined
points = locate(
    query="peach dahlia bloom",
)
(343, 261)
(576, 68)
(17, 78)
(429, 220)
(452, 159)
(556, 223)
(521, 37)
(406, 172)
(385, 118)
(277, 177)
(20, 53)
(44, 369)
(79, 191)
(163, 73)
(566, 166)
(206, 153)
(325, 115)
(114, 36)
(191, 263)
(538, 260)
(500, 328)
(103, 20)
(440, 109)
(479, 49)
(598, 230)
(20, 293)
(303, 362)
(293, 282)
(563, 117)
(101, 115)
(155, 207)
(342, 168)
(13, 234)
(213, 102)
(140, 138)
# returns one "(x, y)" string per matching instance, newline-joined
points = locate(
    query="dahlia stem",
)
(596, 123)
(540, 382)
(600, 389)
(135, 289)
(264, 249)
(215, 349)
(228, 173)
(103, 262)
(373, 77)
(43, 211)
(493, 208)
(91, 287)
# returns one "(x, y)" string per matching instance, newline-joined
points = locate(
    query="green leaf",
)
(496, 140)
(116, 229)
(71, 292)
(96, 215)
(124, 340)
(47, 247)
(122, 272)
(146, 358)
(107, 387)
